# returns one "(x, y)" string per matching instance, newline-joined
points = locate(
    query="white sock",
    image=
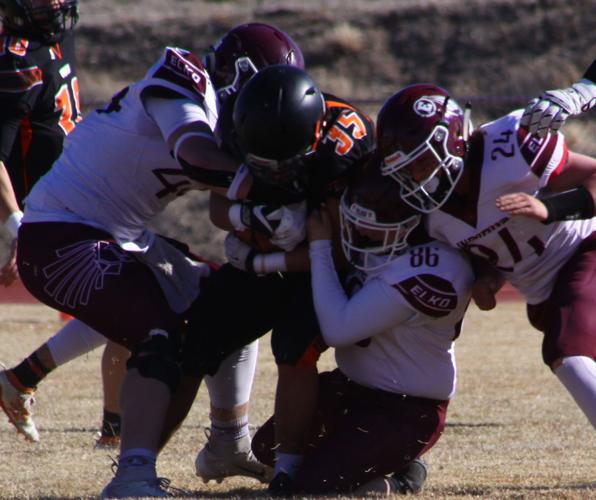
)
(74, 339)
(578, 375)
(137, 464)
(288, 463)
(231, 385)
(230, 430)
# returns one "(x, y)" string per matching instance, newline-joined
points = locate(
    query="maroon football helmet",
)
(375, 223)
(245, 50)
(420, 134)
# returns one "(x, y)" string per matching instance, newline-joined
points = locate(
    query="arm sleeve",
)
(344, 321)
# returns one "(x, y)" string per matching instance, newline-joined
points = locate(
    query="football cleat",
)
(407, 481)
(412, 477)
(16, 401)
(225, 458)
(106, 442)
(152, 488)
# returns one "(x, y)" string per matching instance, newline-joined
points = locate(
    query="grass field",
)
(512, 431)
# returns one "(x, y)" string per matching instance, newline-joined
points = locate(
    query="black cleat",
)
(411, 478)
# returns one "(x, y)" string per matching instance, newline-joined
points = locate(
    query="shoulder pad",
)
(182, 69)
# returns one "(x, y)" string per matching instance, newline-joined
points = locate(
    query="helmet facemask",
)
(244, 68)
(370, 244)
(46, 23)
(441, 170)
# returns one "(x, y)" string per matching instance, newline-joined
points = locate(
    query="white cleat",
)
(17, 403)
(222, 458)
(152, 488)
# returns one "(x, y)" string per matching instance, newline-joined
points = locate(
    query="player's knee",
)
(156, 358)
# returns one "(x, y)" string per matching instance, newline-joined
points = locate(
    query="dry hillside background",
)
(495, 53)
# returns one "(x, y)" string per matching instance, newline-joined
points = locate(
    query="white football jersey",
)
(416, 357)
(116, 172)
(529, 253)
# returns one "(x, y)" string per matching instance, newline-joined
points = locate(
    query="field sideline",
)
(512, 432)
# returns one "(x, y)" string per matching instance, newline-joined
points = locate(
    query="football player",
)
(461, 184)
(84, 246)
(548, 112)
(231, 61)
(393, 331)
(39, 103)
(299, 147)
(172, 115)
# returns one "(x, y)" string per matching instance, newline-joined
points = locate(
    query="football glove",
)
(548, 112)
(263, 218)
(291, 229)
(238, 253)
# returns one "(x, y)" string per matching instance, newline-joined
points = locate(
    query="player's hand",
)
(318, 225)
(484, 293)
(522, 204)
(292, 227)
(543, 114)
(9, 272)
(548, 112)
(238, 253)
(263, 218)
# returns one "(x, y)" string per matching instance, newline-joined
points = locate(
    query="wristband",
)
(241, 174)
(13, 222)
(265, 263)
(235, 217)
(577, 203)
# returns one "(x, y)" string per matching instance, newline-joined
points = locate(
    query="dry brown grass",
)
(512, 432)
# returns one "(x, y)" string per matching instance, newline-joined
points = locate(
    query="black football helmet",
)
(244, 51)
(421, 137)
(278, 117)
(375, 222)
(42, 20)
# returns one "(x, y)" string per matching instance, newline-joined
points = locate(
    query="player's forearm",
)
(219, 207)
(8, 201)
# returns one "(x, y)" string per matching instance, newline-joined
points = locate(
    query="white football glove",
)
(292, 227)
(238, 253)
(263, 218)
(549, 111)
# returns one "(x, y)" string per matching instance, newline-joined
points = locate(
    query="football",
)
(257, 240)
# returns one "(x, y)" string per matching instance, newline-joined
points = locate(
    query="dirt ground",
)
(512, 430)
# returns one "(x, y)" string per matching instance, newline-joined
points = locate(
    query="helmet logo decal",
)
(426, 106)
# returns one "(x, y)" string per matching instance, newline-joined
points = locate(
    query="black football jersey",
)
(39, 106)
(347, 136)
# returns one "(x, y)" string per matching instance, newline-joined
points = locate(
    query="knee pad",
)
(156, 358)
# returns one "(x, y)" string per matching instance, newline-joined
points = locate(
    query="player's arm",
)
(346, 320)
(184, 126)
(13, 108)
(227, 214)
(548, 112)
(571, 194)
